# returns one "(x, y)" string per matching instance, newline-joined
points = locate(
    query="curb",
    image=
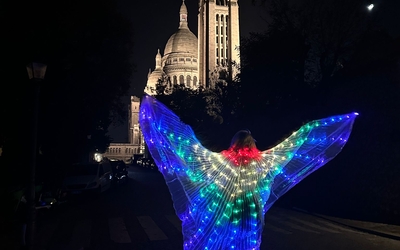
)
(365, 230)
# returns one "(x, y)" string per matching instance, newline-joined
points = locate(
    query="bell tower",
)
(219, 38)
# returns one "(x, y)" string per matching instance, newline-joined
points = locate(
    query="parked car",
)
(88, 178)
(119, 171)
(146, 162)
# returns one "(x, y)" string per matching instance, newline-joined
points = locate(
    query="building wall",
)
(213, 39)
(125, 151)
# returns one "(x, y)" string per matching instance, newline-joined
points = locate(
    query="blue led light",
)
(221, 198)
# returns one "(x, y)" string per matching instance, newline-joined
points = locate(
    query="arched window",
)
(181, 79)
(188, 81)
(226, 18)
(175, 81)
(195, 81)
(222, 18)
(217, 17)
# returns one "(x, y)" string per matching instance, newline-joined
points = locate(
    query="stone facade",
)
(186, 59)
(135, 146)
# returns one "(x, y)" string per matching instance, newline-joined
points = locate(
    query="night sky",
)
(155, 21)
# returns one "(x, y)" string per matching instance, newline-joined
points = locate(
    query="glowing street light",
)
(370, 7)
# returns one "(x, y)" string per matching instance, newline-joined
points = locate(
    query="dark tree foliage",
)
(87, 46)
(336, 61)
(212, 113)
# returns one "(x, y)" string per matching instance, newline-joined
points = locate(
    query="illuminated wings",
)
(306, 150)
(178, 154)
(221, 198)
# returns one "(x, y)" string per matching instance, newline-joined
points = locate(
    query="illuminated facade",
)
(186, 58)
(125, 151)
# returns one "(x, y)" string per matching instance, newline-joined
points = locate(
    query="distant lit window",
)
(195, 81)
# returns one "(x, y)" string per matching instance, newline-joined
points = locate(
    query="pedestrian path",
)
(147, 231)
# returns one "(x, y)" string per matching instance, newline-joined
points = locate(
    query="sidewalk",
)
(379, 229)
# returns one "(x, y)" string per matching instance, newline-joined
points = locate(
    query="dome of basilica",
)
(183, 41)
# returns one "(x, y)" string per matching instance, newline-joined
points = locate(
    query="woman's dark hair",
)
(243, 139)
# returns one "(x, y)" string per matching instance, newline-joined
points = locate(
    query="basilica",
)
(188, 60)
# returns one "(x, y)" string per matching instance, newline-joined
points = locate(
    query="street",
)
(139, 215)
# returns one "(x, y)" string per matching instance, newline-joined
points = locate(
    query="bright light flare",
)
(370, 7)
(98, 157)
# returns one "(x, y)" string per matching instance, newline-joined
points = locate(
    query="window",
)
(188, 80)
(195, 81)
(181, 79)
(222, 52)
(222, 30)
(194, 60)
(217, 50)
(216, 30)
(222, 40)
(217, 18)
(175, 80)
(226, 18)
(181, 59)
(217, 40)
(188, 59)
(222, 18)
(217, 61)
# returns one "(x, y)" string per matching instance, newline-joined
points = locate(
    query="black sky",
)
(155, 21)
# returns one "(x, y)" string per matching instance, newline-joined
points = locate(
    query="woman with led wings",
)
(221, 198)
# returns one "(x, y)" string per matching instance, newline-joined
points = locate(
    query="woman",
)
(221, 198)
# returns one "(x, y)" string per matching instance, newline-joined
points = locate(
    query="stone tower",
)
(218, 37)
(135, 137)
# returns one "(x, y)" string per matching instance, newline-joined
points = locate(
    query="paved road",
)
(140, 216)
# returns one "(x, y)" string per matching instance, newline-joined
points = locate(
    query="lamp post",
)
(36, 72)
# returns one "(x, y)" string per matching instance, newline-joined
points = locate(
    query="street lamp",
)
(370, 7)
(36, 72)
